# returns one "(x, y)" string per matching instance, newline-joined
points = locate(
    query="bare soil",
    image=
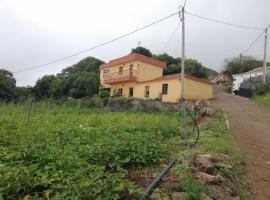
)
(250, 125)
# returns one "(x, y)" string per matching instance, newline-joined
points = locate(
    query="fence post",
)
(30, 111)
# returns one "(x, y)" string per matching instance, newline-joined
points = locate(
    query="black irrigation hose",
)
(156, 181)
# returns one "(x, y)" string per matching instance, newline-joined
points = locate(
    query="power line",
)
(222, 22)
(170, 38)
(235, 25)
(257, 38)
(97, 46)
(253, 43)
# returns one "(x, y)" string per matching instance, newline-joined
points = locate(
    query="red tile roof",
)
(178, 76)
(133, 57)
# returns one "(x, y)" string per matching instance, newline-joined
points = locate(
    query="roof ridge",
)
(131, 57)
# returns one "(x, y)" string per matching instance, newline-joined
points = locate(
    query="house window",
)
(131, 70)
(147, 91)
(117, 92)
(130, 92)
(120, 70)
(106, 73)
(165, 88)
(120, 92)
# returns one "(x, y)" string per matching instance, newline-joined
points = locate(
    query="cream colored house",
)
(139, 76)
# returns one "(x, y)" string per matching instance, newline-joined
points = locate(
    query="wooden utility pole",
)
(264, 56)
(183, 103)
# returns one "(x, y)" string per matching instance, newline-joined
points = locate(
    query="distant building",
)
(239, 78)
(139, 76)
(221, 78)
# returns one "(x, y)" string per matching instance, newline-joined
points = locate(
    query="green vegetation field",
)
(69, 152)
(72, 153)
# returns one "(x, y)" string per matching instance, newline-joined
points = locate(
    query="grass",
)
(262, 99)
(215, 139)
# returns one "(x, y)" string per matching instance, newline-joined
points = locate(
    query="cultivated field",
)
(72, 153)
(69, 152)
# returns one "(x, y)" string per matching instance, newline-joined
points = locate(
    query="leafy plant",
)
(192, 189)
(69, 152)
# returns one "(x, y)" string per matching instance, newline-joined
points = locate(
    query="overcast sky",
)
(34, 32)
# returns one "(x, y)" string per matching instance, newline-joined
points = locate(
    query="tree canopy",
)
(7, 85)
(142, 50)
(192, 66)
(236, 66)
(77, 81)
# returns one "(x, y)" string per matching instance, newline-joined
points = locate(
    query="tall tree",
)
(169, 60)
(42, 88)
(142, 50)
(79, 80)
(235, 66)
(7, 85)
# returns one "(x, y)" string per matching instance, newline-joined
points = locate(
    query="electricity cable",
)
(97, 46)
(225, 23)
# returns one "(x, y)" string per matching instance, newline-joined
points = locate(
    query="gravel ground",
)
(250, 125)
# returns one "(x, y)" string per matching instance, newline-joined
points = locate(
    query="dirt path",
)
(250, 125)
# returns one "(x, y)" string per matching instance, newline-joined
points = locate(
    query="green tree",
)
(42, 88)
(192, 67)
(78, 80)
(24, 93)
(169, 60)
(88, 64)
(235, 66)
(142, 50)
(86, 84)
(7, 85)
(195, 68)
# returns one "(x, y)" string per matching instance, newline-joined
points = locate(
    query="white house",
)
(239, 78)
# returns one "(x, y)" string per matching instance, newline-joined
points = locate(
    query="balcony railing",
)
(116, 77)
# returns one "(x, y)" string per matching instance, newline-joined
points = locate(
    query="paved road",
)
(250, 124)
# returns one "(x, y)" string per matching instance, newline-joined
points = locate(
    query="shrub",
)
(192, 189)
(104, 94)
(262, 89)
(129, 104)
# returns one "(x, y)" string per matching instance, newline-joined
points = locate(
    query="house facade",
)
(139, 76)
(221, 78)
(239, 78)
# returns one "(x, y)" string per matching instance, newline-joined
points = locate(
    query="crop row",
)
(78, 153)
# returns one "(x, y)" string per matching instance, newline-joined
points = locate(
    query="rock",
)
(204, 163)
(205, 197)
(220, 178)
(223, 158)
(219, 193)
(205, 178)
(236, 198)
(178, 196)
